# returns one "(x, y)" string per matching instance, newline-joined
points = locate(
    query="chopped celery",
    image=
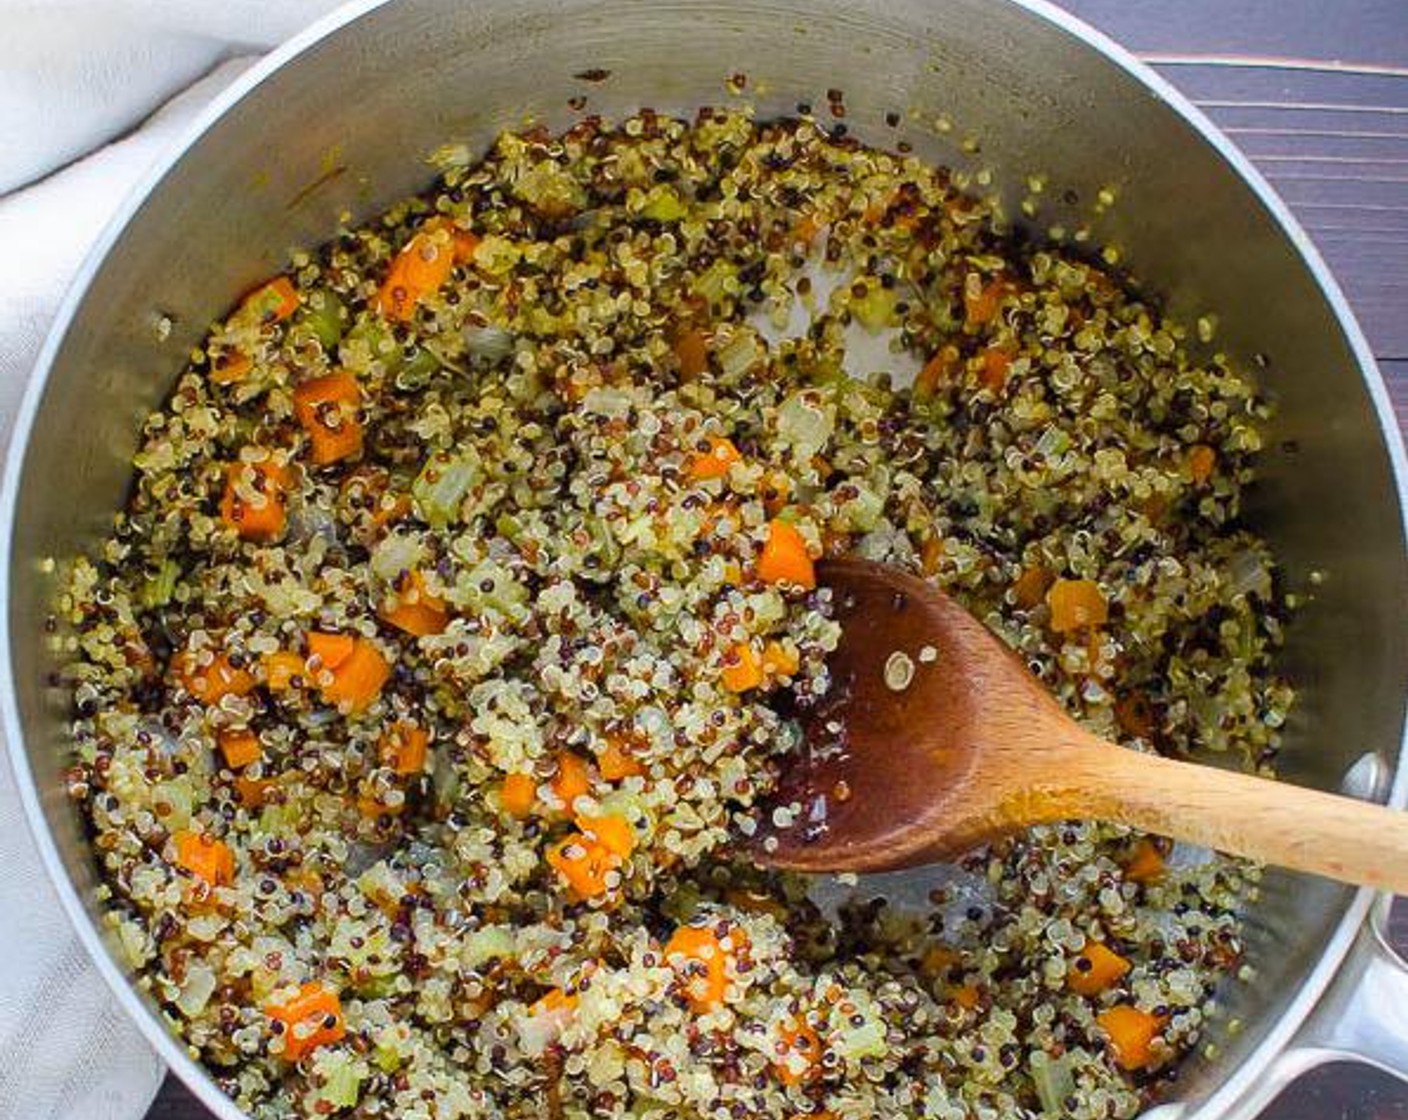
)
(509, 527)
(864, 1041)
(875, 310)
(158, 589)
(662, 204)
(378, 987)
(343, 1075)
(681, 906)
(486, 944)
(1051, 1077)
(280, 819)
(604, 548)
(371, 333)
(716, 280)
(179, 798)
(863, 1034)
(737, 354)
(321, 314)
(416, 368)
(411, 367)
(490, 585)
(440, 488)
(387, 1058)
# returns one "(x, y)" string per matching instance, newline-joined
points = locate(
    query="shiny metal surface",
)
(342, 119)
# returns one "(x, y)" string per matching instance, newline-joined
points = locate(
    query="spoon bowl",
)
(934, 738)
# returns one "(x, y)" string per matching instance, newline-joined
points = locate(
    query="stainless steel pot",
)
(340, 121)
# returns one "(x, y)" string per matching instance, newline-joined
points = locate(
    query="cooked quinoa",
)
(433, 669)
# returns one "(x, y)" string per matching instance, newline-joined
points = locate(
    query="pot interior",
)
(345, 128)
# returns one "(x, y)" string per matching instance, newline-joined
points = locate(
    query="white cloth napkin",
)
(75, 76)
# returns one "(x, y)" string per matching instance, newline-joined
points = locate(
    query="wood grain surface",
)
(1317, 95)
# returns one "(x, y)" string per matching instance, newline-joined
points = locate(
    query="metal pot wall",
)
(342, 119)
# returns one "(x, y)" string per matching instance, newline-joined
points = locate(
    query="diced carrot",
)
(743, 669)
(137, 654)
(808, 227)
(422, 267)
(229, 366)
(372, 809)
(1147, 864)
(931, 553)
(612, 832)
(405, 747)
(261, 516)
(799, 1053)
(1131, 1033)
(556, 1002)
(1202, 461)
(573, 778)
(391, 508)
(280, 669)
(775, 488)
(327, 407)
(936, 371)
(464, 241)
(211, 683)
(937, 960)
(1075, 604)
(358, 680)
(1029, 588)
(1154, 508)
(253, 792)
(780, 661)
(692, 353)
(415, 609)
(716, 462)
(270, 303)
(983, 307)
(554, 1010)
(240, 748)
(616, 761)
(310, 1019)
(331, 650)
(518, 794)
(1135, 715)
(584, 864)
(307, 879)
(1097, 969)
(997, 362)
(705, 964)
(965, 996)
(784, 558)
(755, 902)
(204, 857)
(367, 492)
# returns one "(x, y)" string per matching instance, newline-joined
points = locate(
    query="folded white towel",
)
(74, 76)
(76, 73)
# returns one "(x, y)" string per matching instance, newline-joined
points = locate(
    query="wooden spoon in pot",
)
(935, 738)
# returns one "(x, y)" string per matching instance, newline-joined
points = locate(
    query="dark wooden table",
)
(1316, 94)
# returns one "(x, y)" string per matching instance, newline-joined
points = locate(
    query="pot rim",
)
(1255, 1067)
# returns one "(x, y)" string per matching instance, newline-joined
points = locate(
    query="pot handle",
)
(1362, 1016)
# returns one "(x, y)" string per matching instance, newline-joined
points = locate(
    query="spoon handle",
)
(1339, 837)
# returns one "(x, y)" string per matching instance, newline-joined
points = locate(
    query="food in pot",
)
(466, 596)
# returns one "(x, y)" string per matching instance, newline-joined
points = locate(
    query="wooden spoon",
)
(974, 748)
